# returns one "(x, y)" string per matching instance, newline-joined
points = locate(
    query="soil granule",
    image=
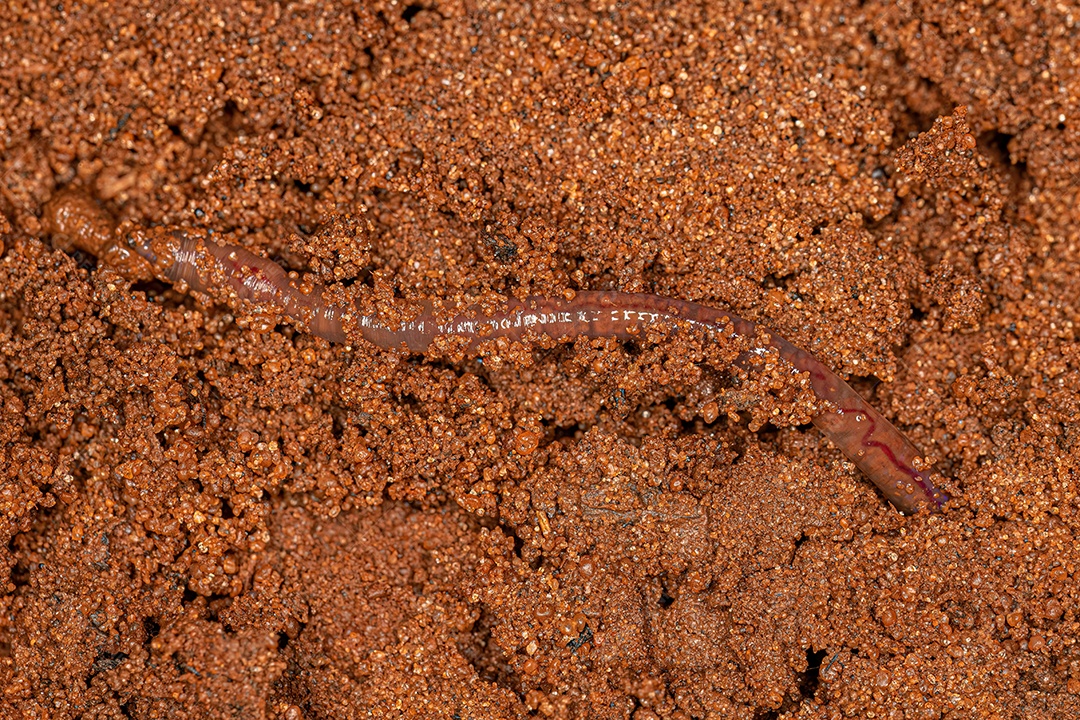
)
(209, 514)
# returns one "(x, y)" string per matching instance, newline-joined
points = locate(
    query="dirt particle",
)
(526, 442)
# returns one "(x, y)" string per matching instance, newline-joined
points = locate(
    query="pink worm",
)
(865, 436)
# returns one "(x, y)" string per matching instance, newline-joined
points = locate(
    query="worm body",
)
(865, 436)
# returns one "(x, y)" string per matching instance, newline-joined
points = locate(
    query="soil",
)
(208, 515)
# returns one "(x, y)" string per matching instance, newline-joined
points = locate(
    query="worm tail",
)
(231, 273)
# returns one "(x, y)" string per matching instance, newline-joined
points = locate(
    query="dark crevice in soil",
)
(485, 655)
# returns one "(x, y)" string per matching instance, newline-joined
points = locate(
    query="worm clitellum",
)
(881, 451)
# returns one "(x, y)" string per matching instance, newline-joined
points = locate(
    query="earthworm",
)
(865, 436)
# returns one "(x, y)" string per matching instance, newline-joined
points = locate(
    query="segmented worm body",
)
(866, 437)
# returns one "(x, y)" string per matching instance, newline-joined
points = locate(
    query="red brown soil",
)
(210, 516)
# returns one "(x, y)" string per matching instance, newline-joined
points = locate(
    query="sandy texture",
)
(210, 515)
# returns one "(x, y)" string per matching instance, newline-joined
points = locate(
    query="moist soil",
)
(205, 514)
